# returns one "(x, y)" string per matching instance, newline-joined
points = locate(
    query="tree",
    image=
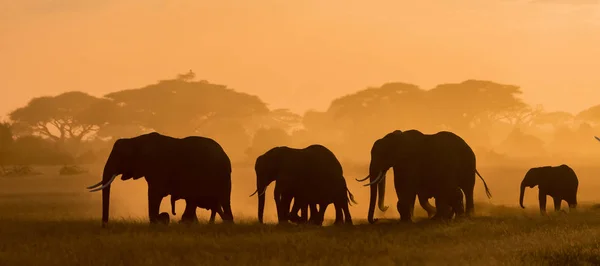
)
(68, 116)
(364, 116)
(591, 115)
(555, 119)
(520, 115)
(280, 118)
(472, 103)
(6, 142)
(267, 138)
(181, 107)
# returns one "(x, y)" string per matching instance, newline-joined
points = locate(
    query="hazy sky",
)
(301, 54)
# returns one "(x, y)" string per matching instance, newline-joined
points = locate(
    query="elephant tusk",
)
(254, 192)
(360, 180)
(96, 185)
(377, 180)
(105, 185)
(263, 192)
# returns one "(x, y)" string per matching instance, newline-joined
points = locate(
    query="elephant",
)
(189, 215)
(187, 167)
(424, 165)
(559, 182)
(310, 176)
(448, 211)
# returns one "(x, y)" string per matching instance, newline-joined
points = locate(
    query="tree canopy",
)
(70, 115)
(182, 107)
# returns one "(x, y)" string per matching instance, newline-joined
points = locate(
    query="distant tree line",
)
(75, 127)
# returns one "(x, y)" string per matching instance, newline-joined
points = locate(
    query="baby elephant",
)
(189, 215)
(559, 182)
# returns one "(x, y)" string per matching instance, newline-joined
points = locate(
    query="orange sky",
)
(301, 54)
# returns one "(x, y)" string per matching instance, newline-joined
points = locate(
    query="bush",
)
(71, 170)
(19, 170)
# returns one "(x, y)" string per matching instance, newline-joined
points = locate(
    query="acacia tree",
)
(68, 116)
(183, 107)
(476, 103)
(364, 116)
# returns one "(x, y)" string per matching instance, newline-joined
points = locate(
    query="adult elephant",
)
(184, 167)
(425, 165)
(559, 182)
(310, 176)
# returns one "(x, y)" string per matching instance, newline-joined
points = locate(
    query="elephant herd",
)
(197, 169)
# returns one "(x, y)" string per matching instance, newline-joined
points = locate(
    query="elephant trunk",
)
(522, 194)
(374, 175)
(173, 199)
(381, 198)
(261, 206)
(372, 200)
(106, 178)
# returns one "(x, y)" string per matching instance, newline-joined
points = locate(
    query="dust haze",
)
(67, 138)
(516, 79)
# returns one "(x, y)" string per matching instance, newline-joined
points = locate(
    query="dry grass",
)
(52, 220)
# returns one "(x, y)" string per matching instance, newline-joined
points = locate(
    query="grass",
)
(51, 220)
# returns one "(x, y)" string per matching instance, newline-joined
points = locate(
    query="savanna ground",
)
(52, 220)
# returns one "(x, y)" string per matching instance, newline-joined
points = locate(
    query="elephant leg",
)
(189, 214)
(572, 203)
(424, 202)
(406, 202)
(218, 210)
(557, 202)
(314, 214)
(294, 213)
(304, 213)
(443, 208)
(469, 204)
(542, 200)
(213, 213)
(163, 218)
(347, 216)
(154, 199)
(277, 199)
(457, 204)
(339, 214)
(227, 216)
(321, 214)
(284, 208)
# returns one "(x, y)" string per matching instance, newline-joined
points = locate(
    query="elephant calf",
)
(189, 215)
(559, 182)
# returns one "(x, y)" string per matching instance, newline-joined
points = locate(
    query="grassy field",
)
(52, 220)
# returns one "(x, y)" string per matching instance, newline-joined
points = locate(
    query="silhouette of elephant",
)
(424, 165)
(189, 215)
(186, 167)
(310, 176)
(559, 182)
(449, 211)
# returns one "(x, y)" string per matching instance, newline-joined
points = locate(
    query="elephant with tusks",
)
(310, 176)
(440, 165)
(187, 167)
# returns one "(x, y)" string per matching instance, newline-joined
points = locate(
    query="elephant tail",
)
(487, 190)
(351, 197)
